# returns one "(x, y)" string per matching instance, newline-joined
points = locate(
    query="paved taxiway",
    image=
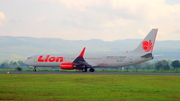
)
(79, 72)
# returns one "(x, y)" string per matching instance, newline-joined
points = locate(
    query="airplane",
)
(85, 62)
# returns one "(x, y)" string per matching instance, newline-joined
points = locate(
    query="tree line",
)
(12, 64)
(158, 65)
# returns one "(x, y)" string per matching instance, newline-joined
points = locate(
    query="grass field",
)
(82, 87)
(107, 70)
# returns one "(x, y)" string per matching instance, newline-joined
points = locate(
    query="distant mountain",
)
(19, 48)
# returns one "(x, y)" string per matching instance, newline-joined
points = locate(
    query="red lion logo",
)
(147, 45)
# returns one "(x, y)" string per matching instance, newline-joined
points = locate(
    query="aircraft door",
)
(104, 58)
(35, 59)
(130, 59)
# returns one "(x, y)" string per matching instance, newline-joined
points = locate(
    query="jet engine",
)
(67, 66)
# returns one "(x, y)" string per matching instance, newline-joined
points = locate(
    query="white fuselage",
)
(96, 60)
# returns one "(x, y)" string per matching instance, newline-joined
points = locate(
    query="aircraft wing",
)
(80, 62)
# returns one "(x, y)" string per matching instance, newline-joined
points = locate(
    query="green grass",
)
(83, 87)
(103, 70)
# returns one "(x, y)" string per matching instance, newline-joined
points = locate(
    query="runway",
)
(89, 73)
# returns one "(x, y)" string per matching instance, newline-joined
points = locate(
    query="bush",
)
(19, 69)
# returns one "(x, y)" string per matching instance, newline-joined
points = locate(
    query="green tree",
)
(15, 64)
(11, 63)
(21, 64)
(147, 66)
(158, 65)
(19, 69)
(175, 64)
(162, 65)
(5, 65)
(137, 66)
(165, 64)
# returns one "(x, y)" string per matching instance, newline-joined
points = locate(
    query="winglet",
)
(82, 52)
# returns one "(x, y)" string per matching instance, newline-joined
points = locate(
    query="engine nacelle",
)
(67, 66)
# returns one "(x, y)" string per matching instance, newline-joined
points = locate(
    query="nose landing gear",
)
(34, 69)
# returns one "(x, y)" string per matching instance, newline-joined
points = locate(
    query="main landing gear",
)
(91, 70)
(85, 70)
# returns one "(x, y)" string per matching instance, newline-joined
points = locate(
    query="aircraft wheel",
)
(91, 70)
(84, 69)
(34, 69)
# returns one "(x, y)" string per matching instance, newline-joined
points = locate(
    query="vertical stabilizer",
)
(147, 45)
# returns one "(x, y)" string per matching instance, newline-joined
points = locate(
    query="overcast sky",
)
(107, 20)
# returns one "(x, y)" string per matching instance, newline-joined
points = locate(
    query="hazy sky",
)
(90, 19)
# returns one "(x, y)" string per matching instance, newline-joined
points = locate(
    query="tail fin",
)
(146, 46)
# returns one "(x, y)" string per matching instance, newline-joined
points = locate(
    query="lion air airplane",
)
(90, 61)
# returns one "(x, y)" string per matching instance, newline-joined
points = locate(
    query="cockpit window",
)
(29, 57)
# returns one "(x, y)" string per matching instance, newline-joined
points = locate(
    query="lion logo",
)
(147, 46)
